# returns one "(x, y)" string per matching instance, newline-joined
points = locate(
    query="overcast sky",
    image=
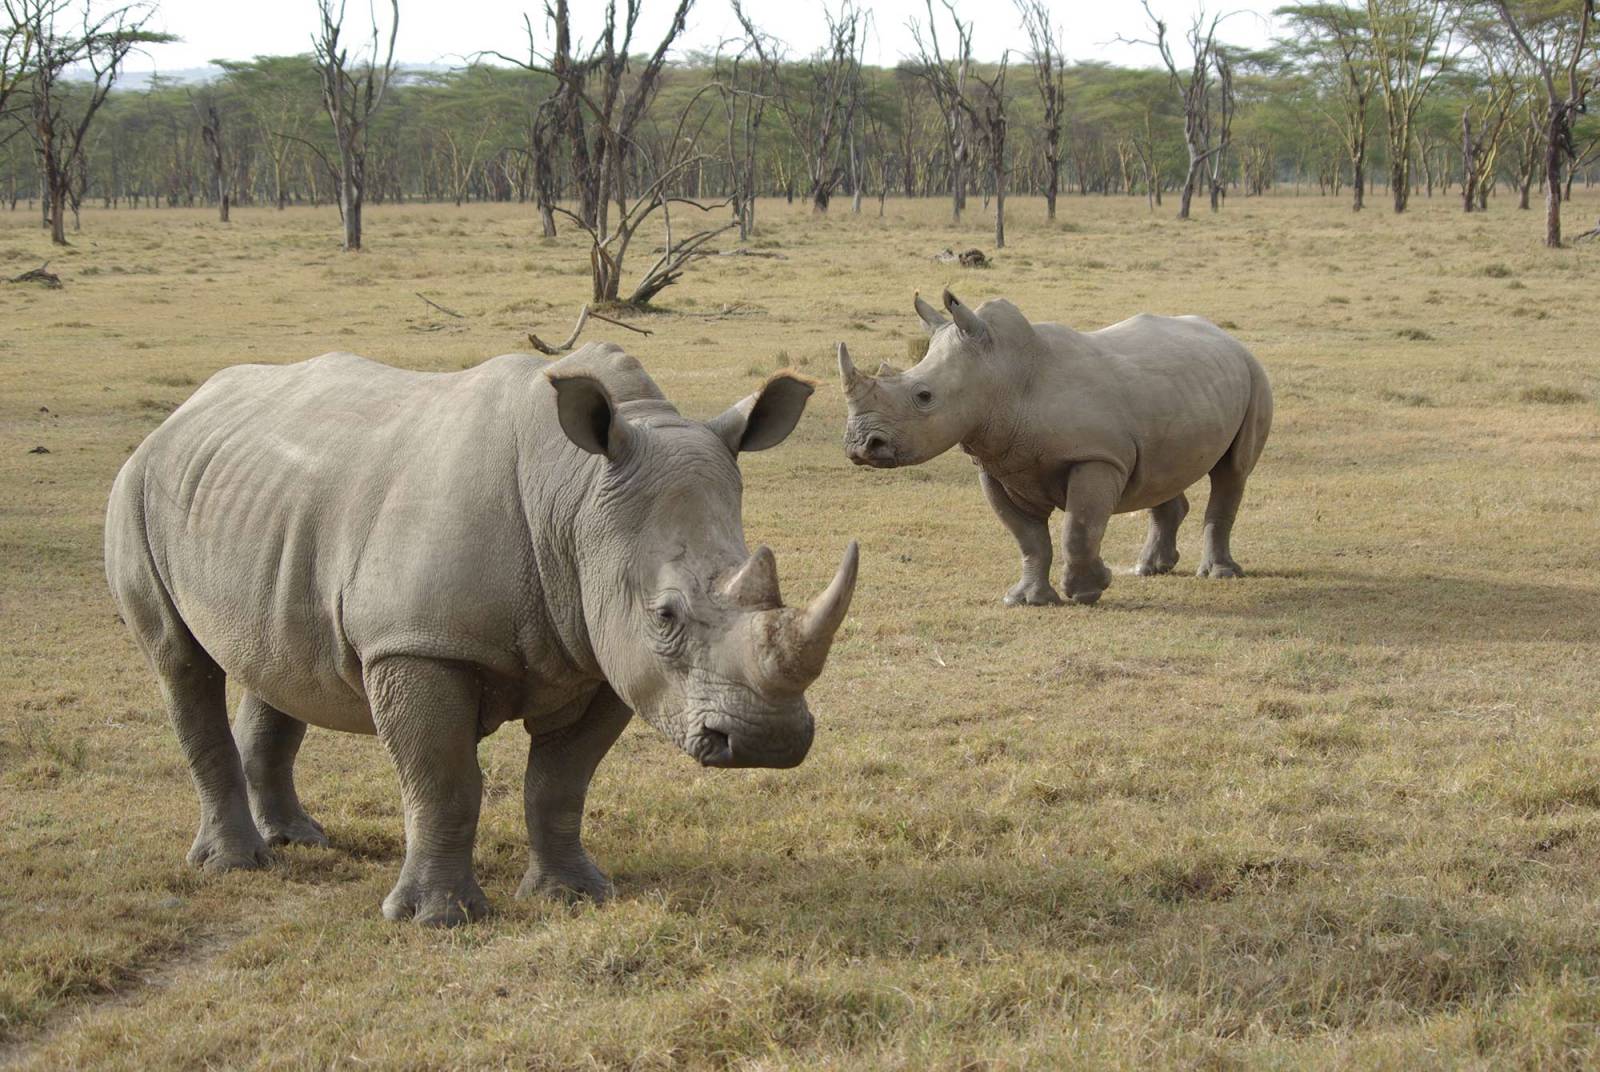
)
(444, 31)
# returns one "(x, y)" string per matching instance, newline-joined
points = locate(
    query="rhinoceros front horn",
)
(826, 613)
(854, 381)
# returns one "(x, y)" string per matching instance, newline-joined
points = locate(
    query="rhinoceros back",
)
(304, 520)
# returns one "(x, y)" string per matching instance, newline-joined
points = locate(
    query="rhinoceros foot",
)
(1085, 584)
(437, 904)
(1156, 564)
(229, 848)
(301, 829)
(1224, 569)
(571, 882)
(1032, 594)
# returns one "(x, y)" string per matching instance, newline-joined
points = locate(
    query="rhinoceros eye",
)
(668, 614)
(923, 397)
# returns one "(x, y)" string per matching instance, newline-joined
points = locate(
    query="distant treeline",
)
(751, 122)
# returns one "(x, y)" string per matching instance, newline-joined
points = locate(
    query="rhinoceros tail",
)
(1251, 438)
(136, 584)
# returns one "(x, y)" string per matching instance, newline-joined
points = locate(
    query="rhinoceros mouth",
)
(738, 748)
(712, 748)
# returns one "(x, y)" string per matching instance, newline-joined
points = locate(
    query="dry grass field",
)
(1345, 812)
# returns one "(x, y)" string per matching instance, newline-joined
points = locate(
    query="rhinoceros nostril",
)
(716, 749)
(875, 443)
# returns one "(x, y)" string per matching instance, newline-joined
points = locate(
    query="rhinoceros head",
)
(686, 624)
(906, 418)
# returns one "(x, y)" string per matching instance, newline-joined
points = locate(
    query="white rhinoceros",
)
(428, 556)
(1096, 423)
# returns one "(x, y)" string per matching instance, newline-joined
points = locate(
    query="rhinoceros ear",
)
(766, 418)
(931, 318)
(589, 417)
(968, 322)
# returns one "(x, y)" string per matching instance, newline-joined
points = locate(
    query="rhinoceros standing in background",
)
(1098, 423)
(427, 556)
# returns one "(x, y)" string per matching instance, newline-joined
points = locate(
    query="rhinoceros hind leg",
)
(560, 766)
(269, 740)
(194, 688)
(1160, 552)
(426, 715)
(1227, 491)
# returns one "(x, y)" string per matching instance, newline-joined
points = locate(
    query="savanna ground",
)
(1343, 812)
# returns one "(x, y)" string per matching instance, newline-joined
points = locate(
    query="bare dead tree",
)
(210, 117)
(818, 98)
(1194, 91)
(1049, 78)
(351, 93)
(609, 248)
(749, 81)
(1561, 49)
(947, 80)
(1219, 122)
(62, 108)
(988, 115)
(601, 99)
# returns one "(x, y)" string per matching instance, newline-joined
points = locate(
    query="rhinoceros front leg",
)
(426, 715)
(1093, 489)
(1160, 552)
(560, 766)
(269, 740)
(1033, 536)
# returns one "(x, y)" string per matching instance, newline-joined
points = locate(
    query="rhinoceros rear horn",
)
(967, 321)
(755, 584)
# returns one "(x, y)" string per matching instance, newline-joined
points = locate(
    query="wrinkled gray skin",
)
(428, 556)
(1098, 423)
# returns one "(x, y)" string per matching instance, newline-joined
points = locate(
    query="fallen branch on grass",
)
(577, 329)
(39, 275)
(436, 305)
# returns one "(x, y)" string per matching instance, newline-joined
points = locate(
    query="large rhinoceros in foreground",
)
(427, 556)
(1097, 423)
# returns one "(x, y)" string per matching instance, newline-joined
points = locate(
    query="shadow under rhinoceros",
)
(1423, 608)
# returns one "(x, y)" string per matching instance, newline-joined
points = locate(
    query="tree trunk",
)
(1197, 166)
(999, 208)
(350, 209)
(1554, 149)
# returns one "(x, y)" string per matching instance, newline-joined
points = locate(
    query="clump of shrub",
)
(1496, 270)
(1547, 395)
(1414, 334)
